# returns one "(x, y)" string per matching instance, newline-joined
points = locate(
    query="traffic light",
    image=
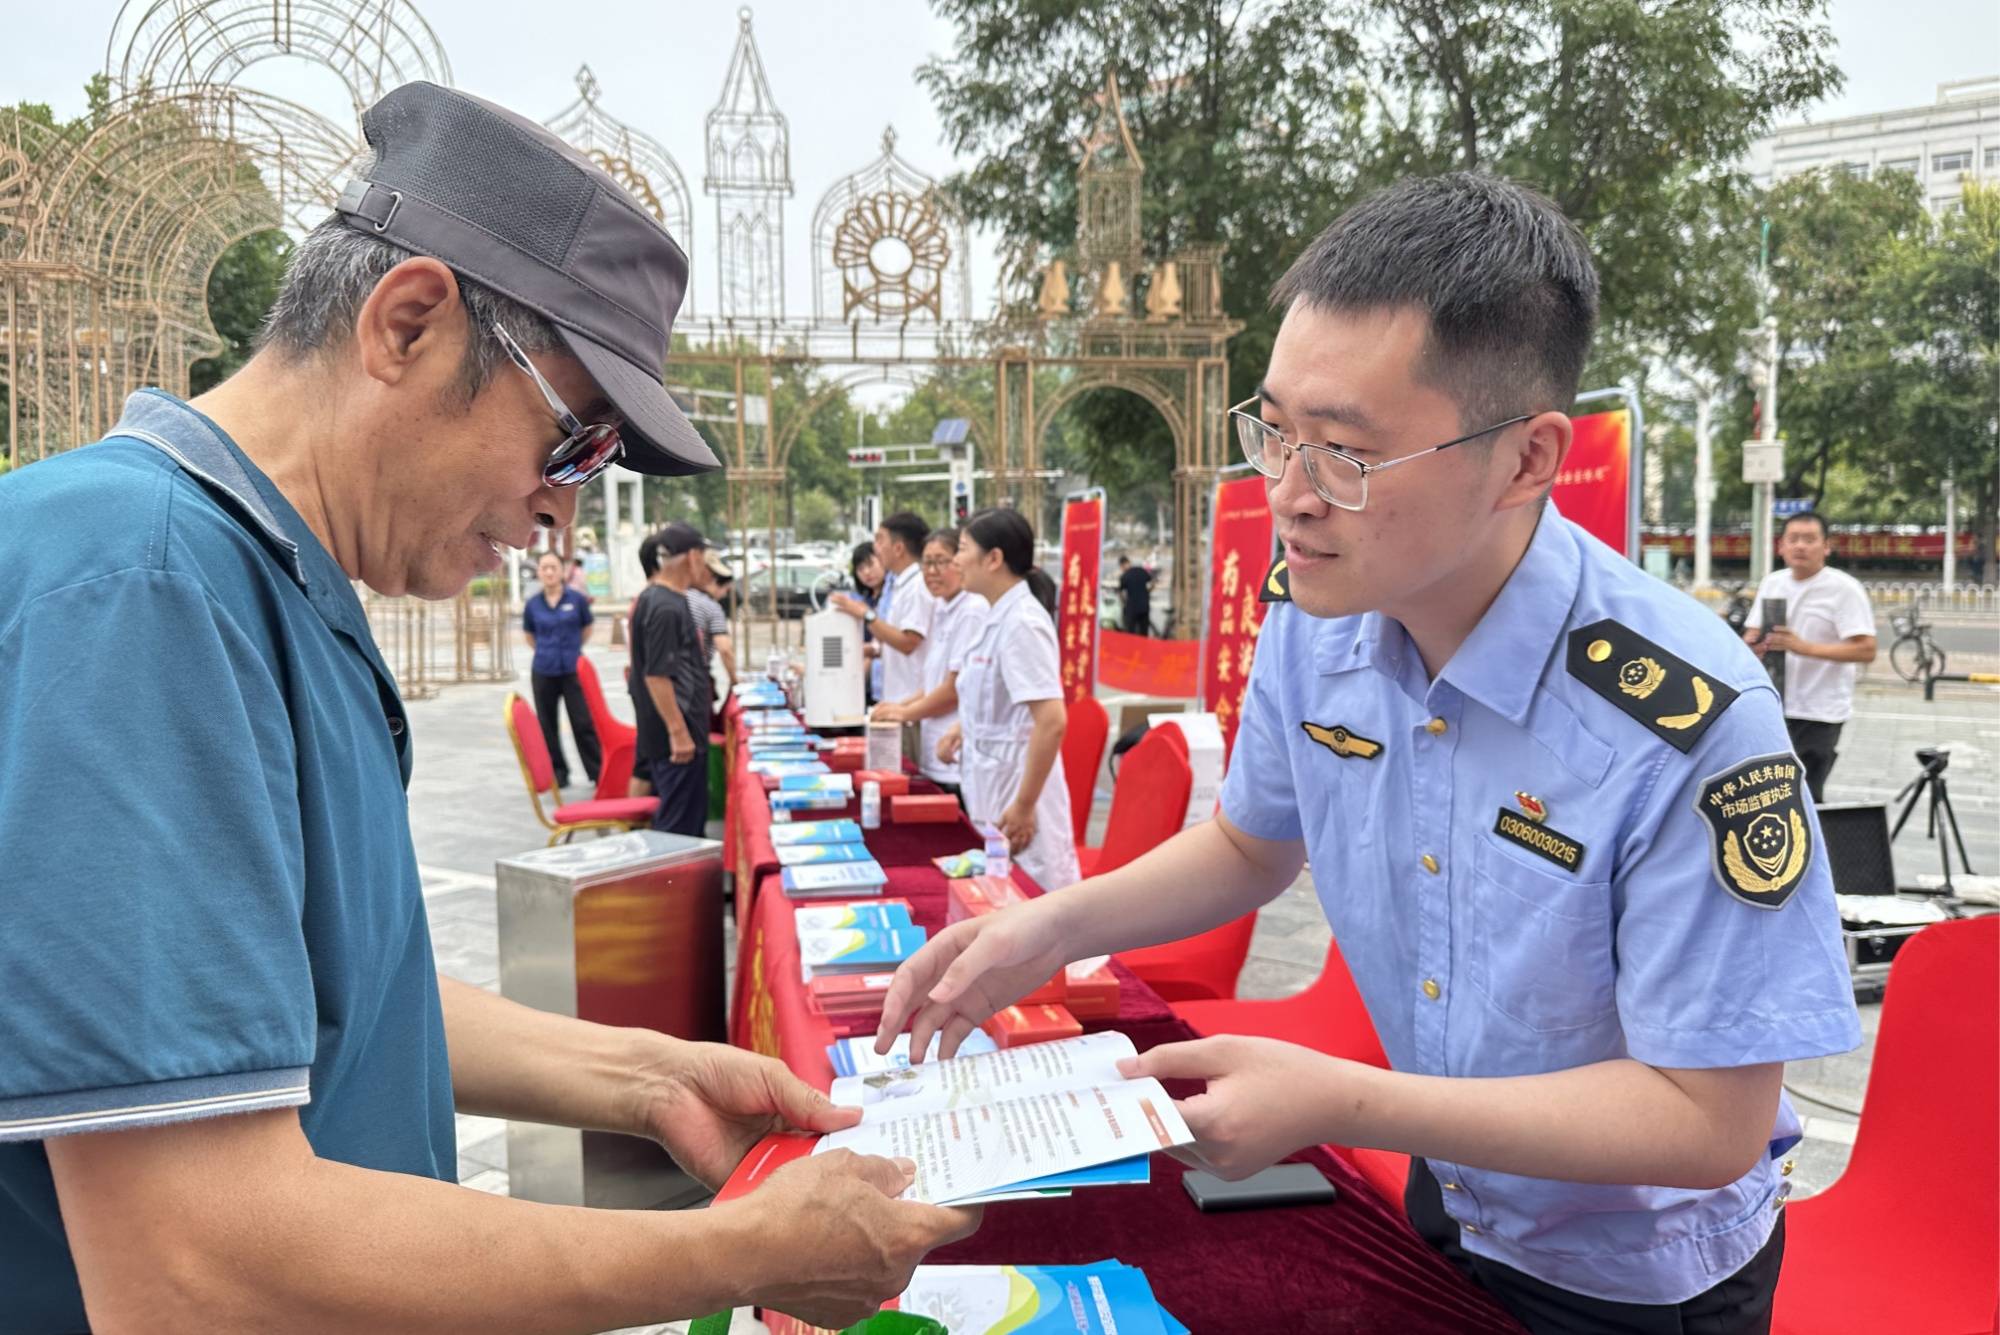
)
(859, 457)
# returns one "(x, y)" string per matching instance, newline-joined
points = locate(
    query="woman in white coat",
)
(953, 628)
(1010, 700)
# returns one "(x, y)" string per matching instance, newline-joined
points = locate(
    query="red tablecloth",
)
(1353, 1265)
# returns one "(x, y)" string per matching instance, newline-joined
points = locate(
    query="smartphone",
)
(1281, 1184)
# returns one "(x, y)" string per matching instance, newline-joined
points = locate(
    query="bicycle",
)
(1914, 655)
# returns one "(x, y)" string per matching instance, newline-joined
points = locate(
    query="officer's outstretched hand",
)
(1265, 1099)
(969, 971)
(831, 1242)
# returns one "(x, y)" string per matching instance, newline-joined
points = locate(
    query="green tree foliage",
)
(241, 289)
(1259, 122)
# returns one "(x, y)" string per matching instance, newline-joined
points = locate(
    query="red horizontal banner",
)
(1146, 666)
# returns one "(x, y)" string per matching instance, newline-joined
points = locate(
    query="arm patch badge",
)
(1277, 587)
(1761, 841)
(1668, 695)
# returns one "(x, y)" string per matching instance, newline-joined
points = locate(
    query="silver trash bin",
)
(623, 930)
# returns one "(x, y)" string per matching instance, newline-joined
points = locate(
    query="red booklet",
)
(847, 994)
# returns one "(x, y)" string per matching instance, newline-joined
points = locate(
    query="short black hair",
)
(1806, 517)
(649, 555)
(909, 529)
(1503, 276)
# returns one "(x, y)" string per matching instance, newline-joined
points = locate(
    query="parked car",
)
(797, 588)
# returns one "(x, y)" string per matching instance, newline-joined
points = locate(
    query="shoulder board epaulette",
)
(1277, 586)
(1668, 695)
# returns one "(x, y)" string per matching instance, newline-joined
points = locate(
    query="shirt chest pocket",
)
(1542, 953)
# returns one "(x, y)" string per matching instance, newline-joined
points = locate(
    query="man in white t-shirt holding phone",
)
(1827, 633)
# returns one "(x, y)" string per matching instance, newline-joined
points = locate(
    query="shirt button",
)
(1436, 727)
(1431, 989)
(1451, 1186)
(395, 726)
(1430, 864)
(1470, 1228)
(1785, 1169)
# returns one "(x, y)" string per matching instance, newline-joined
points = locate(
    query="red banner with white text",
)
(1594, 488)
(1076, 603)
(1238, 554)
(1169, 669)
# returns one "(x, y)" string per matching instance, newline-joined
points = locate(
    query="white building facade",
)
(1943, 144)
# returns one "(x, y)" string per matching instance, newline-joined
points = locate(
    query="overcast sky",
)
(840, 73)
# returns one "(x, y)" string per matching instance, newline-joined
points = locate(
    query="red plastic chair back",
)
(1082, 753)
(619, 741)
(529, 748)
(1921, 1194)
(1149, 802)
(1328, 1016)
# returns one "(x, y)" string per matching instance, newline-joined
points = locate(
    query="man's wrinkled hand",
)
(708, 1103)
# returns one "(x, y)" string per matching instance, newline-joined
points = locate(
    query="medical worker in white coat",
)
(1010, 700)
(954, 625)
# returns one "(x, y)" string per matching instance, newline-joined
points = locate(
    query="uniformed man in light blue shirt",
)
(1549, 805)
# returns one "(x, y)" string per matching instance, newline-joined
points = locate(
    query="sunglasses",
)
(587, 449)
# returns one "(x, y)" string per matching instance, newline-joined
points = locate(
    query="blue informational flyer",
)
(857, 950)
(1104, 1298)
(816, 832)
(884, 917)
(862, 876)
(808, 855)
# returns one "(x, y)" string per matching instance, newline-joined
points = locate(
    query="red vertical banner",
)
(1239, 552)
(1076, 603)
(1594, 488)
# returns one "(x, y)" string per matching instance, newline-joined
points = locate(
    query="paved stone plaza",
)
(469, 806)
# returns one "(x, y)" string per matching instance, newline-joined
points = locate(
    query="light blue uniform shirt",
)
(1507, 960)
(208, 899)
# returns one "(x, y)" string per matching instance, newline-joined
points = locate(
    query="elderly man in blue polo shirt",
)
(228, 1069)
(1549, 805)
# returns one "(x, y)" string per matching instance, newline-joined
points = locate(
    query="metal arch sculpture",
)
(105, 288)
(635, 160)
(888, 244)
(372, 45)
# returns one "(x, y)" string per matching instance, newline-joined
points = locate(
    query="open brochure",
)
(1049, 1118)
(1013, 1120)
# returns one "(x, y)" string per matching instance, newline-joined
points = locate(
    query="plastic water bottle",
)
(871, 805)
(999, 861)
(774, 665)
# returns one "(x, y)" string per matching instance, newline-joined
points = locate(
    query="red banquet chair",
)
(1148, 806)
(1082, 753)
(617, 813)
(1328, 1017)
(1908, 1238)
(618, 742)
(1148, 803)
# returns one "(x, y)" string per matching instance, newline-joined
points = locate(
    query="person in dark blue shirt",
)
(557, 623)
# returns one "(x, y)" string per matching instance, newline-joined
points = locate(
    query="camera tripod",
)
(1931, 779)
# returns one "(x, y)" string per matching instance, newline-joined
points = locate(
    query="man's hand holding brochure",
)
(1008, 1124)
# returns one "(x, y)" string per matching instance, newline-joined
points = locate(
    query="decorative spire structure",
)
(1108, 187)
(888, 245)
(750, 176)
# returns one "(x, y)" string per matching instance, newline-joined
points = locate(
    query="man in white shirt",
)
(900, 621)
(1828, 631)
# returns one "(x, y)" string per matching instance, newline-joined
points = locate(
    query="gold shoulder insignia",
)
(1277, 587)
(1664, 693)
(1341, 742)
(1761, 841)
